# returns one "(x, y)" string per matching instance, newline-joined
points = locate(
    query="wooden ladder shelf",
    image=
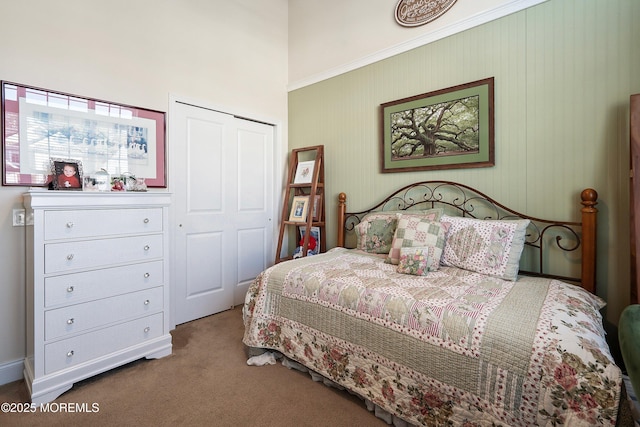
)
(305, 179)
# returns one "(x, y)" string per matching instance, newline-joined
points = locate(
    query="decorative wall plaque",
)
(411, 13)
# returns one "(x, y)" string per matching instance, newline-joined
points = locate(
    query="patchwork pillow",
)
(419, 260)
(491, 247)
(417, 231)
(374, 233)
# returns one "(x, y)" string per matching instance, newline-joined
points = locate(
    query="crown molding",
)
(457, 27)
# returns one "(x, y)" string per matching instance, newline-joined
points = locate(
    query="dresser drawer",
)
(80, 317)
(75, 288)
(71, 224)
(82, 348)
(59, 257)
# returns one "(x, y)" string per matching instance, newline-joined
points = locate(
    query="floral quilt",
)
(453, 347)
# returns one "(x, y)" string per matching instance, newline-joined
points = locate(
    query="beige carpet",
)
(205, 382)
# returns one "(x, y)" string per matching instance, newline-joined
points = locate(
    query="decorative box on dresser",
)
(97, 285)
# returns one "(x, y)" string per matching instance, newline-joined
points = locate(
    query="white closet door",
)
(253, 219)
(222, 180)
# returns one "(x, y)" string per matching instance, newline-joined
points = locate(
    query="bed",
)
(439, 307)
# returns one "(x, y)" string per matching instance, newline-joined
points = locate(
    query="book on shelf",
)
(313, 248)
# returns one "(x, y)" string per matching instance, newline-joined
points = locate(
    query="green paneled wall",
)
(564, 71)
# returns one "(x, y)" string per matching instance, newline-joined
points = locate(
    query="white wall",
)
(231, 54)
(330, 37)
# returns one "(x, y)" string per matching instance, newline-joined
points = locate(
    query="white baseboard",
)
(11, 371)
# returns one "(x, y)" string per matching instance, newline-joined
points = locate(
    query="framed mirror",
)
(40, 124)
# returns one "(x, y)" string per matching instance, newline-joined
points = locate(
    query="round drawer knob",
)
(70, 224)
(70, 321)
(70, 289)
(146, 275)
(147, 329)
(69, 354)
(146, 221)
(69, 257)
(147, 247)
(146, 302)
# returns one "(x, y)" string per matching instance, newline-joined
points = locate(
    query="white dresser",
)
(97, 285)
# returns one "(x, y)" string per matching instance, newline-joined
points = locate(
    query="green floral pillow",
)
(375, 231)
(419, 260)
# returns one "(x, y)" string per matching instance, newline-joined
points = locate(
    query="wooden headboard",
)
(462, 200)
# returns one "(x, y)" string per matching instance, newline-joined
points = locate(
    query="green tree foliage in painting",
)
(447, 128)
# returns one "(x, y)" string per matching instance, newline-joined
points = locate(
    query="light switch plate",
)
(18, 218)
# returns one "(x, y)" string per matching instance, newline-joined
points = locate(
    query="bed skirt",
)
(290, 364)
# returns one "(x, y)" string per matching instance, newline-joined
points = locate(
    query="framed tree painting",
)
(445, 129)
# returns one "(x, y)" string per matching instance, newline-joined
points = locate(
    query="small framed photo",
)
(317, 207)
(304, 172)
(299, 209)
(67, 174)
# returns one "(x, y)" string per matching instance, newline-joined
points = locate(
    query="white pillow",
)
(491, 247)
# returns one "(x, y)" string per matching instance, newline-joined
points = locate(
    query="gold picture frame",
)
(299, 209)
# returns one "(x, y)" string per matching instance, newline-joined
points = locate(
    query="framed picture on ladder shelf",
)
(299, 209)
(304, 172)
